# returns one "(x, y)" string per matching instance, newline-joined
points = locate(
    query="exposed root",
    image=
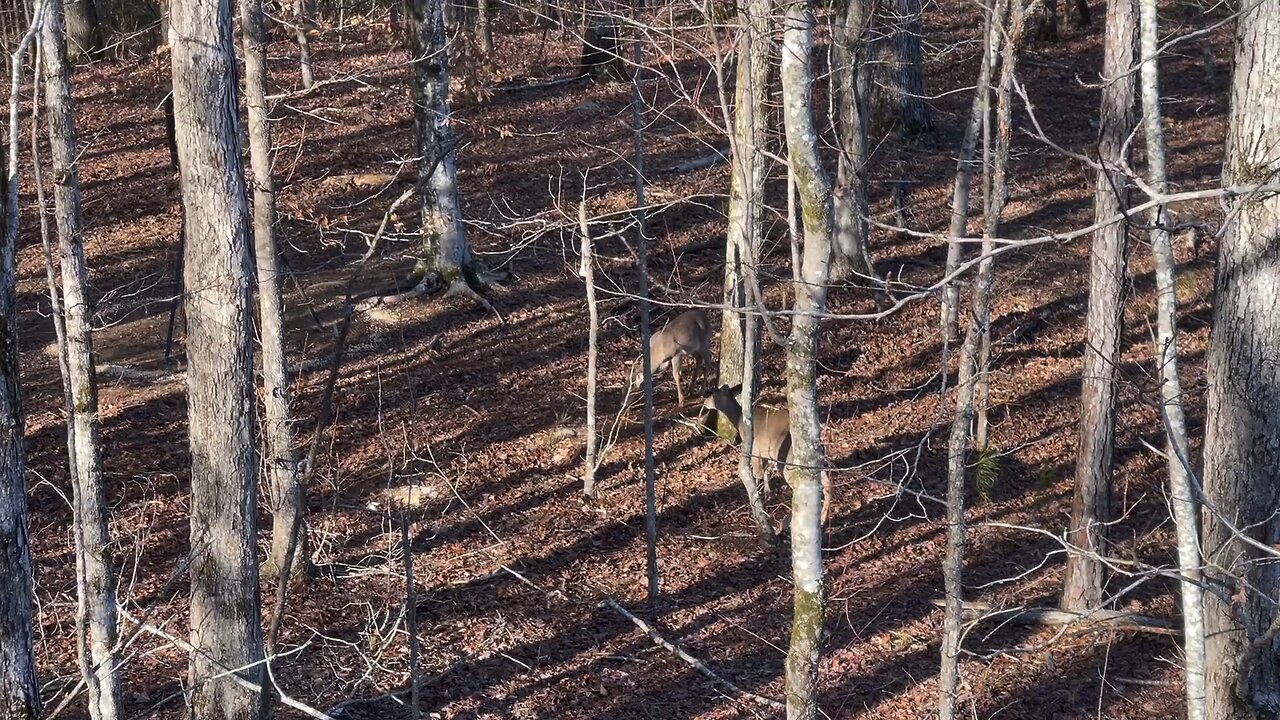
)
(460, 286)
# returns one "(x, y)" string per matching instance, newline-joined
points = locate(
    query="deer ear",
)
(736, 389)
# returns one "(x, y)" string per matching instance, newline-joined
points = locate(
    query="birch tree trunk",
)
(225, 624)
(1182, 496)
(898, 95)
(851, 256)
(96, 621)
(972, 361)
(446, 257)
(746, 189)
(19, 692)
(1082, 585)
(288, 497)
(963, 184)
(807, 456)
(1241, 447)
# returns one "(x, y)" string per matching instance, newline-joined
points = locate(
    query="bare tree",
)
(807, 456)
(19, 692)
(973, 361)
(897, 99)
(1082, 585)
(301, 28)
(588, 272)
(1241, 457)
(96, 620)
(446, 260)
(963, 185)
(852, 79)
(746, 188)
(484, 29)
(288, 497)
(1181, 494)
(226, 630)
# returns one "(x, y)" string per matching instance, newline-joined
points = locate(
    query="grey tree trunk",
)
(588, 272)
(288, 497)
(963, 184)
(1241, 453)
(807, 456)
(484, 29)
(84, 30)
(972, 358)
(1182, 496)
(446, 257)
(897, 98)
(226, 629)
(19, 692)
(851, 78)
(746, 188)
(301, 25)
(1083, 580)
(96, 620)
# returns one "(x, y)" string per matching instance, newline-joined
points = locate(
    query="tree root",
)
(459, 286)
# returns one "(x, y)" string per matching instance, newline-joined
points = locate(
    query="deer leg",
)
(675, 373)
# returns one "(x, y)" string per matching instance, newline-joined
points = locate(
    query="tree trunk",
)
(963, 185)
(288, 497)
(225, 624)
(84, 30)
(1182, 496)
(446, 258)
(19, 692)
(301, 25)
(1241, 450)
(588, 272)
(1082, 585)
(746, 192)
(807, 457)
(852, 77)
(897, 99)
(484, 29)
(96, 621)
(972, 363)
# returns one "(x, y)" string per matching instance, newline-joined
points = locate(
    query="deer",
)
(770, 438)
(688, 334)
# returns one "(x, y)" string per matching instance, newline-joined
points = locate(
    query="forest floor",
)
(468, 424)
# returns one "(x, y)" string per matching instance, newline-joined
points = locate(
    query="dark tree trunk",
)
(19, 693)
(601, 50)
(1242, 433)
(226, 628)
(96, 619)
(897, 99)
(1082, 585)
(84, 30)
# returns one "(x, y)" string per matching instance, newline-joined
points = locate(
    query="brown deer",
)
(688, 334)
(770, 439)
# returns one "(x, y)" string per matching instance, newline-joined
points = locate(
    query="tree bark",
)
(1182, 496)
(1083, 580)
(19, 692)
(746, 189)
(963, 184)
(852, 78)
(225, 624)
(96, 621)
(1241, 450)
(807, 455)
(288, 497)
(484, 29)
(84, 30)
(446, 257)
(897, 99)
(302, 24)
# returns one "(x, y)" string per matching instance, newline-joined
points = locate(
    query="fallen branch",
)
(1093, 620)
(690, 660)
